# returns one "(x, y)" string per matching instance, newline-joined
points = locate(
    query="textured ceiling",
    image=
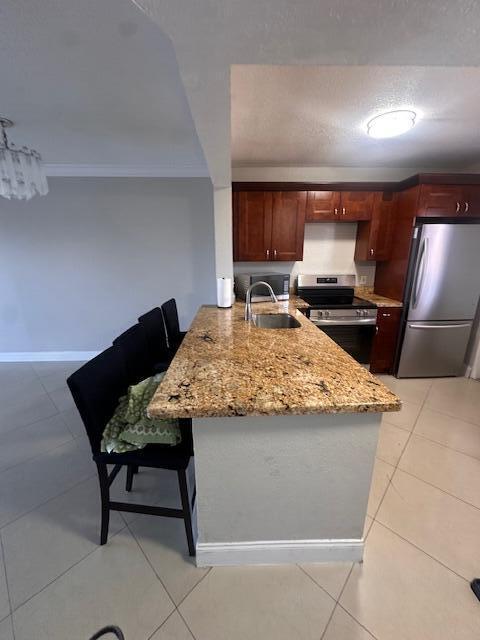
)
(95, 82)
(210, 35)
(315, 116)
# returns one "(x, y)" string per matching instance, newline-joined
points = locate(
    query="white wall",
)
(79, 266)
(328, 248)
(222, 202)
(287, 464)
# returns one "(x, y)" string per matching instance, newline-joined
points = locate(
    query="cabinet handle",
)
(335, 211)
(274, 254)
(386, 315)
(466, 207)
(268, 254)
(371, 252)
(376, 329)
(458, 207)
(344, 211)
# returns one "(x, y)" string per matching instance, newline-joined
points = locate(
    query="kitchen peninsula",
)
(285, 428)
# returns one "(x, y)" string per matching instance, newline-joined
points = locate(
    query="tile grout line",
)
(412, 475)
(336, 602)
(63, 573)
(43, 453)
(445, 446)
(412, 433)
(422, 550)
(357, 621)
(2, 550)
(25, 460)
(151, 566)
(194, 587)
(401, 455)
(175, 607)
(186, 623)
(390, 484)
(160, 626)
(30, 424)
(41, 504)
(316, 583)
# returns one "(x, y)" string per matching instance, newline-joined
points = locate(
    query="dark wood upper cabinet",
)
(288, 225)
(374, 237)
(384, 344)
(440, 200)
(356, 205)
(268, 225)
(432, 199)
(339, 206)
(471, 201)
(323, 206)
(252, 225)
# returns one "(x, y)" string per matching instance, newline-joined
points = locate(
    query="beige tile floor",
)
(422, 536)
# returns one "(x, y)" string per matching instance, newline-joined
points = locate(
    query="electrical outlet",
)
(362, 279)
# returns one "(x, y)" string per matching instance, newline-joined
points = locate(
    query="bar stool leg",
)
(187, 513)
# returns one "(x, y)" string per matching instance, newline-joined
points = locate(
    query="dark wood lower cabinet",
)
(385, 341)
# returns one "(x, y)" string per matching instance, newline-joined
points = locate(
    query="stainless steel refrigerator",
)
(443, 291)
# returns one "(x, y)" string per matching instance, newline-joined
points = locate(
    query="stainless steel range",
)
(349, 321)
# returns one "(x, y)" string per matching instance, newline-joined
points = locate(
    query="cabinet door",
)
(385, 341)
(471, 202)
(356, 205)
(374, 237)
(252, 226)
(440, 200)
(323, 206)
(288, 224)
(384, 212)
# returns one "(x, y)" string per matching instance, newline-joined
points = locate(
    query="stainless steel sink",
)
(275, 321)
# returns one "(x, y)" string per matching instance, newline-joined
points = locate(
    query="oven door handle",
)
(338, 322)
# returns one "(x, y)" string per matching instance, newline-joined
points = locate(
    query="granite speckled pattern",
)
(297, 302)
(366, 293)
(228, 367)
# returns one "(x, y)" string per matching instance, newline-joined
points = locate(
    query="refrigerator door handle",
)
(439, 326)
(420, 273)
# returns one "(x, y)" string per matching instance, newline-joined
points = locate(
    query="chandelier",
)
(21, 171)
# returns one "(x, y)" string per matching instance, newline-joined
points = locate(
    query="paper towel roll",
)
(224, 292)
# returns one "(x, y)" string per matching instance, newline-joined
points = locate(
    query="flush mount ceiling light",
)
(392, 123)
(21, 171)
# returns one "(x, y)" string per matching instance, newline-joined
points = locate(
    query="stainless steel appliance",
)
(443, 290)
(349, 321)
(280, 283)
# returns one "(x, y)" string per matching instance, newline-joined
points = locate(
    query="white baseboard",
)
(278, 552)
(47, 356)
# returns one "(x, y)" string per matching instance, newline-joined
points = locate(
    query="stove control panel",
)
(343, 316)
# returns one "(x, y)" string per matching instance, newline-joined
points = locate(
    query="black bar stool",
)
(96, 388)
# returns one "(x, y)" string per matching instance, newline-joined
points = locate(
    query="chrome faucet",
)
(248, 298)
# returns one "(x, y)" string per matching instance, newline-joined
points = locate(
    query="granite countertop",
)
(297, 302)
(228, 367)
(366, 293)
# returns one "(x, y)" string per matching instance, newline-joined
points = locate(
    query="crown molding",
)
(125, 171)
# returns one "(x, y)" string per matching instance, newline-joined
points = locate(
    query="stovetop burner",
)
(333, 292)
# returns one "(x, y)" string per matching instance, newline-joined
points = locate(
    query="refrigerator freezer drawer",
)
(434, 349)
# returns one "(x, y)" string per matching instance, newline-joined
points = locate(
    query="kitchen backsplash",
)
(328, 248)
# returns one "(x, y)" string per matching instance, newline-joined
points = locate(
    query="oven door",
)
(355, 337)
